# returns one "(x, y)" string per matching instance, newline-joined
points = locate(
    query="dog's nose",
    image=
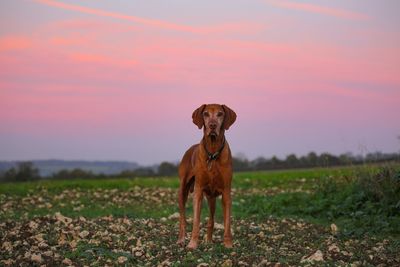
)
(213, 125)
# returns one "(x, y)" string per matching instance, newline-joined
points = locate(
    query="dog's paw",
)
(228, 243)
(181, 242)
(192, 244)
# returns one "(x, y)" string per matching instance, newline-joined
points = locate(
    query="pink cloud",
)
(79, 109)
(317, 9)
(8, 43)
(242, 27)
(78, 58)
(164, 60)
(115, 15)
(214, 68)
(196, 62)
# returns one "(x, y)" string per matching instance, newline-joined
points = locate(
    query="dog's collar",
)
(213, 156)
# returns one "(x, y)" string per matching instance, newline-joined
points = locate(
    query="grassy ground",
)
(291, 218)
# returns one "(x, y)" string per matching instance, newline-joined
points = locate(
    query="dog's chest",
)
(213, 183)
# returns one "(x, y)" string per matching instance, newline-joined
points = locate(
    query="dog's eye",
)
(220, 114)
(206, 114)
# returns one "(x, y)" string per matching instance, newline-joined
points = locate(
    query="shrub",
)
(368, 201)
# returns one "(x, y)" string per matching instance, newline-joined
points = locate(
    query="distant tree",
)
(326, 159)
(240, 164)
(167, 169)
(25, 171)
(346, 159)
(74, 174)
(275, 163)
(10, 175)
(62, 174)
(260, 163)
(312, 159)
(140, 172)
(292, 161)
(144, 172)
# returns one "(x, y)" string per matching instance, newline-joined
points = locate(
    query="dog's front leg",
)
(210, 225)
(197, 201)
(227, 205)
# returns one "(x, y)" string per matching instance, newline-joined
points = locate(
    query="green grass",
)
(57, 186)
(279, 178)
(288, 178)
(82, 191)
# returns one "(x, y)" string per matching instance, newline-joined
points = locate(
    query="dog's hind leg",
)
(182, 199)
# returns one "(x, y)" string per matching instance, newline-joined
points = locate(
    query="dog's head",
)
(214, 117)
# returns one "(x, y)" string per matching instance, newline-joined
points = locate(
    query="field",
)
(311, 217)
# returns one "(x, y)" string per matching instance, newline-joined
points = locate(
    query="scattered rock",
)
(317, 256)
(165, 263)
(355, 264)
(138, 253)
(67, 261)
(7, 246)
(218, 226)
(174, 216)
(36, 258)
(8, 262)
(122, 259)
(84, 234)
(333, 248)
(48, 253)
(334, 229)
(227, 263)
(263, 263)
(61, 218)
(33, 225)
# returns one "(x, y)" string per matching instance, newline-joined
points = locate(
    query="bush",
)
(381, 187)
(369, 201)
(366, 202)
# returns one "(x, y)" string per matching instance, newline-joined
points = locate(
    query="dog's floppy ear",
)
(197, 116)
(230, 117)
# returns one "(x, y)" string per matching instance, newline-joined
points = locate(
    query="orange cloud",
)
(102, 13)
(312, 8)
(8, 43)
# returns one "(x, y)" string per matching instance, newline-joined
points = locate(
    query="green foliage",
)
(368, 202)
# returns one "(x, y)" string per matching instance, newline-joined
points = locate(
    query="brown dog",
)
(206, 169)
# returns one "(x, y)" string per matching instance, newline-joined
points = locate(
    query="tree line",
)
(311, 160)
(26, 171)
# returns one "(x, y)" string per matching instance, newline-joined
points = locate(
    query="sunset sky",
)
(119, 80)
